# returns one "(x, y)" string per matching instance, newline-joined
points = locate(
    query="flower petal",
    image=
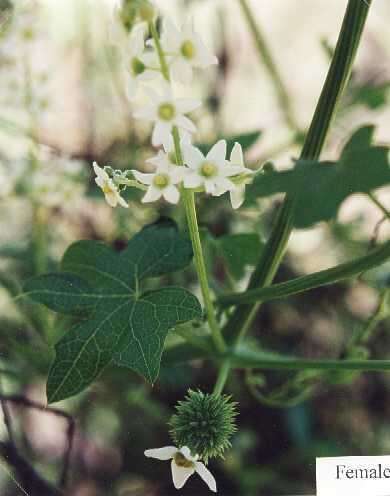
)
(236, 156)
(185, 123)
(185, 450)
(100, 173)
(122, 202)
(222, 185)
(111, 198)
(186, 105)
(180, 475)
(142, 177)
(153, 194)
(176, 173)
(192, 180)
(206, 475)
(209, 186)
(217, 152)
(237, 196)
(232, 170)
(193, 157)
(170, 36)
(161, 133)
(165, 453)
(171, 194)
(181, 71)
(136, 41)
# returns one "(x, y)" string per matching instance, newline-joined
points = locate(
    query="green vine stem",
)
(336, 80)
(246, 360)
(267, 59)
(192, 221)
(316, 280)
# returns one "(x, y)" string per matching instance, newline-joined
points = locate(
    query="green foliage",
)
(246, 140)
(373, 96)
(121, 323)
(204, 423)
(240, 251)
(319, 188)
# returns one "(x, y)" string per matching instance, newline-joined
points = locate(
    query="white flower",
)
(211, 171)
(108, 187)
(167, 112)
(237, 194)
(185, 51)
(163, 182)
(140, 66)
(183, 465)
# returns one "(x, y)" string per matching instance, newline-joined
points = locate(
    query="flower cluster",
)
(178, 164)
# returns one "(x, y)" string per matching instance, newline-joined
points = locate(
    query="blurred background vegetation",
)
(63, 105)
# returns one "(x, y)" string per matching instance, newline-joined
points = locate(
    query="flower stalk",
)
(192, 221)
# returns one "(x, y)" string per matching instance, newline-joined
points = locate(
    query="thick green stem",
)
(337, 78)
(335, 83)
(316, 280)
(267, 59)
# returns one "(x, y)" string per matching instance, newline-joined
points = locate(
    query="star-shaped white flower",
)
(237, 194)
(163, 182)
(167, 112)
(183, 465)
(185, 50)
(212, 171)
(140, 66)
(108, 187)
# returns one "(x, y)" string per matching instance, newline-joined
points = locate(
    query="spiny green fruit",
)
(204, 423)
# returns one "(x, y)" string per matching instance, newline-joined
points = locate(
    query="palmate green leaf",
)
(320, 187)
(121, 323)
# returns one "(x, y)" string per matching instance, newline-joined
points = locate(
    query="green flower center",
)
(161, 180)
(166, 111)
(188, 49)
(208, 169)
(181, 461)
(107, 189)
(137, 66)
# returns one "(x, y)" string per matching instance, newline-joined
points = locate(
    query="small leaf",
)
(122, 324)
(319, 188)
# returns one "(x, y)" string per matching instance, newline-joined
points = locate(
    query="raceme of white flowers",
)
(183, 465)
(213, 173)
